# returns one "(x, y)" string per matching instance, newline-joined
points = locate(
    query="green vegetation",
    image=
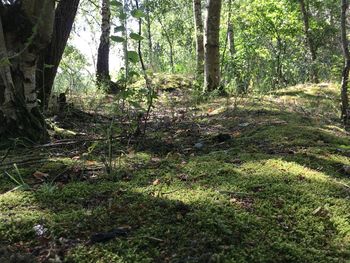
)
(267, 185)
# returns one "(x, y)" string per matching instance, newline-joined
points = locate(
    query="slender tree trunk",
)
(149, 35)
(197, 9)
(231, 40)
(102, 67)
(125, 43)
(309, 41)
(212, 46)
(345, 114)
(51, 57)
(21, 40)
(171, 46)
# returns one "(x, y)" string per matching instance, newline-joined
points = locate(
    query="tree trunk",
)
(197, 9)
(212, 54)
(309, 41)
(231, 40)
(149, 35)
(21, 40)
(170, 43)
(51, 57)
(125, 43)
(345, 114)
(102, 68)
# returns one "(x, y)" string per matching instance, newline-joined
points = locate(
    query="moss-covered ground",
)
(259, 179)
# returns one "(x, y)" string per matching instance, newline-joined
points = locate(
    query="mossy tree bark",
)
(212, 46)
(25, 30)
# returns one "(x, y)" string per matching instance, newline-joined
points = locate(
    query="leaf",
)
(156, 182)
(136, 37)
(117, 39)
(133, 56)
(116, 3)
(137, 13)
(119, 29)
(48, 66)
(123, 16)
(134, 74)
(40, 176)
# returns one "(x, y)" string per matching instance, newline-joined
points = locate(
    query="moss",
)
(273, 193)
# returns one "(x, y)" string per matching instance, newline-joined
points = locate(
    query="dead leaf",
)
(156, 182)
(40, 176)
(90, 163)
(317, 210)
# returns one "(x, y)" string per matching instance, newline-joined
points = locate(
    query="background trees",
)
(250, 46)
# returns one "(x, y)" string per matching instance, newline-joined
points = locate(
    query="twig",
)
(70, 142)
(233, 193)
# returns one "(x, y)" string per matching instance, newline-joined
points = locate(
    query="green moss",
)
(273, 193)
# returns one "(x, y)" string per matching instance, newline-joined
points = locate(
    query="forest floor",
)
(259, 179)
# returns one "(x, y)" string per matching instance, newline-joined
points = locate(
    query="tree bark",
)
(212, 54)
(51, 57)
(25, 29)
(309, 41)
(198, 20)
(125, 43)
(345, 114)
(102, 68)
(231, 40)
(149, 35)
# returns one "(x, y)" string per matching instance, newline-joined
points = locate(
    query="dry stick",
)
(70, 142)
(26, 162)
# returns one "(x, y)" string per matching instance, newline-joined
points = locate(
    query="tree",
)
(51, 57)
(25, 30)
(309, 40)
(345, 75)
(212, 46)
(197, 9)
(102, 68)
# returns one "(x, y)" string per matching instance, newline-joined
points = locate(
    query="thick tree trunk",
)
(51, 57)
(21, 41)
(345, 114)
(212, 54)
(102, 69)
(309, 41)
(198, 20)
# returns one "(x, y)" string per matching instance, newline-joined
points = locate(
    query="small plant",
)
(18, 180)
(48, 188)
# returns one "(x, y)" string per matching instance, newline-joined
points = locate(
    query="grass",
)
(274, 192)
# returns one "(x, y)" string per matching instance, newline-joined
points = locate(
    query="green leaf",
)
(137, 13)
(119, 29)
(122, 16)
(116, 3)
(136, 37)
(134, 73)
(133, 56)
(117, 39)
(48, 66)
